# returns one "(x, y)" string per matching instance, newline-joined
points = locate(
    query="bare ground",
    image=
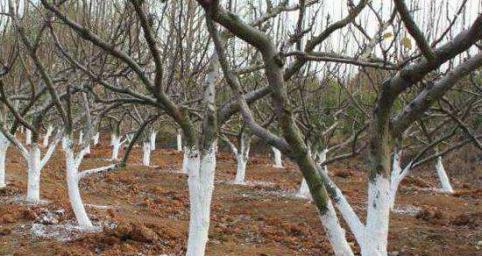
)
(144, 211)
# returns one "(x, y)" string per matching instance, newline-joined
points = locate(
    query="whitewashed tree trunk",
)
(304, 191)
(376, 232)
(28, 137)
(396, 177)
(334, 232)
(33, 186)
(45, 142)
(242, 156)
(146, 157)
(4, 144)
(116, 144)
(185, 162)
(241, 164)
(278, 163)
(81, 138)
(201, 186)
(72, 164)
(179, 141)
(96, 138)
(153, 140)
(443, 177)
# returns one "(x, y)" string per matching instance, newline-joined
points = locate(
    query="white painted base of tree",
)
(81, 138)
(241, 164)
(96, 139)
(396, 177)
(278, 162)
(33, 181)
(72, 164)
(443, 177)
(45, 142)
(152, 139)
(28, 137)
(201, 186)
(179, 141)
(378, 216)
(334, 232)
(304, 190)
(116, 145)
(146, 156)
(4, 144)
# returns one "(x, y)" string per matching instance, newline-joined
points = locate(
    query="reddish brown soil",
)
(151, 210)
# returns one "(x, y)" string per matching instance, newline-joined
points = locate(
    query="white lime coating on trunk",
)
(334, 232)
(278, 163)
(179, 141)
(443, 177)
(376, 233)
(4, 144)
(152, 139)
(96, 138)
(45, 142)
(72, 164)
(33, 186)
(146, 156)
(28, 137)
(116, 144)
(201, 186)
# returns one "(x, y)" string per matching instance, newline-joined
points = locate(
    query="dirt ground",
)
(144, 211)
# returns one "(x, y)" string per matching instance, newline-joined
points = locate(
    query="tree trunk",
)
(278, 163)
(304, 190)
(28, 137)
(242, 157)
(45, 143)
(96, 138)
(153, 140)
(33, 187)
(334, 231)
(116, 144)
(146, 158)
(443, 177)
(4, 144)
(73, 186)
(81, 137)
(378, 217)
(179, 141)
(201, 186)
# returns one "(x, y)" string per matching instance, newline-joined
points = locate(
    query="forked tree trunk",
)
(4, 144)
(72, 163)
(179, 141)
(443, 177)
(146, 150)
(201, 186)
(241, 155)
(45, 142)
(153, 140)
(396, 177)
(278, 163)
(34, 168)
